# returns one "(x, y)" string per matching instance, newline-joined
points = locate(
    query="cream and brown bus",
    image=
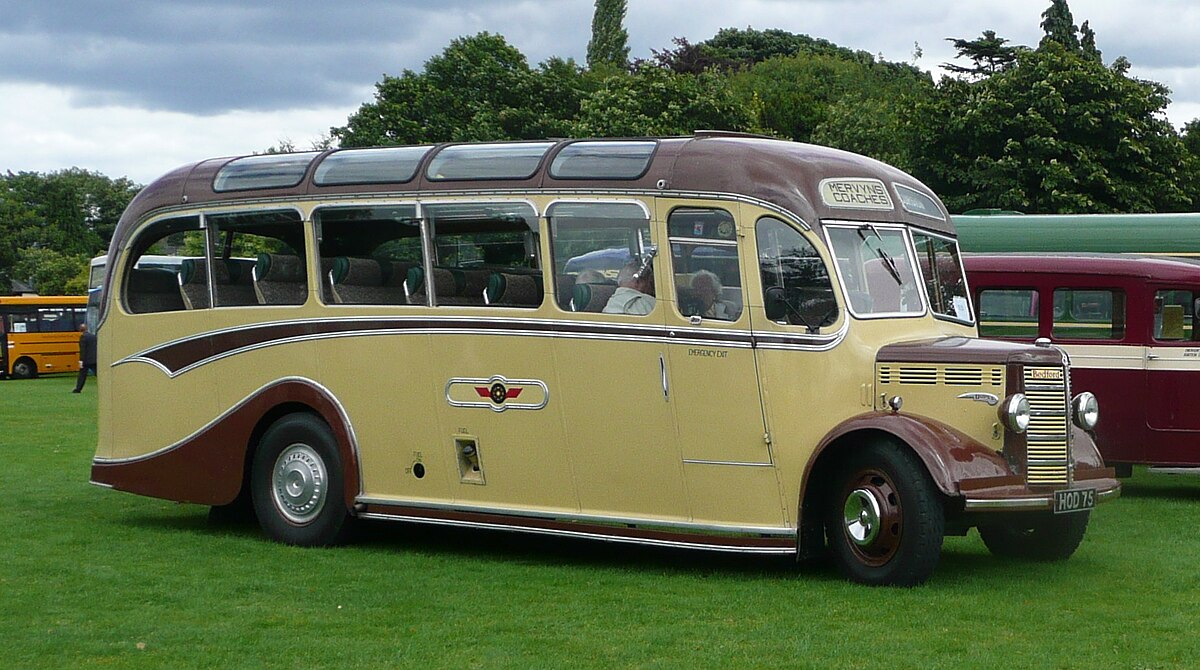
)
(721, 342)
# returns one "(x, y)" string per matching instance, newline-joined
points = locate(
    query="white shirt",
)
(626, 300)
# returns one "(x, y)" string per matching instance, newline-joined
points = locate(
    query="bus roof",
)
(788, 175)
(1113, 233)
(1115, 265)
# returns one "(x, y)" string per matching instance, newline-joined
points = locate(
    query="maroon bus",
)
(1127, 323)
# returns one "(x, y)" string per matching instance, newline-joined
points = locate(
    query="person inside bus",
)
(87, 356)
(635, 290)
(706, 286)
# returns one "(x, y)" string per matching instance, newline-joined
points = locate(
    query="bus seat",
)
(470, 286)
(193, 283)
(519, 290)
(280, 280)
(359, 281)
(234, 282)
(414, 284)
(564, 289)
(591, 297)
(152, 290)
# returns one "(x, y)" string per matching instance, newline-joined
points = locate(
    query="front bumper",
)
(1010, 494)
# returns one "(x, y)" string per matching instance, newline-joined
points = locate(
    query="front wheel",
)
(885, 521)
(24, 368)
(297, 483)
(1040, 536)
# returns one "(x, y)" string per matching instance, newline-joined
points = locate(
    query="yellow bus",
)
(719, 341)
(40, 334)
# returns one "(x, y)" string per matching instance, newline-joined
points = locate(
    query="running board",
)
(654, 536)
(1169, 470)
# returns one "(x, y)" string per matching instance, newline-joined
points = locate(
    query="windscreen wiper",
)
(880, 253)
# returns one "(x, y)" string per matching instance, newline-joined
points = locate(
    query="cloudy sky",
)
(136, 87)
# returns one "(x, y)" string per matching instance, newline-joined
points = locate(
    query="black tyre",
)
(1041, 536)
(297, 484)
(885, 520)
(24, 368)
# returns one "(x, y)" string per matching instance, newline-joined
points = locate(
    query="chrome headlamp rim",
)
(1014, 412)
(1085, 410)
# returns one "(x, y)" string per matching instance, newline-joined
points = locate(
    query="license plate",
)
(1074, 500)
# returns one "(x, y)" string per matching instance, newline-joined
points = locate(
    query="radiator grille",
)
(1047, 451)
(929, 375)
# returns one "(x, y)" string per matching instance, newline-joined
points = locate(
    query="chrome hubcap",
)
(861, 515)
(299, 483)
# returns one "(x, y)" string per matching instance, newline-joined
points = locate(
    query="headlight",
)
(1014, 412)
(1085, 410)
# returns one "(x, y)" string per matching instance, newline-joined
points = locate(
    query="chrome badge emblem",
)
(988, 398)
(497, 393)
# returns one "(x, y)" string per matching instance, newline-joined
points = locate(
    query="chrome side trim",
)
(677, 544)
(657, 334)
(743, 464)
(759, 531)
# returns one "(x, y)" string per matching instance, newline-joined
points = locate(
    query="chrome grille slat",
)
(1047, 450)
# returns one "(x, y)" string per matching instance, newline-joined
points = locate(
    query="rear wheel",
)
(297, 483)
(885, 521)
(1042, 536)
(24, 368)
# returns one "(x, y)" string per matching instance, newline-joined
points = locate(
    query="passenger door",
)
(1172, 372)
(713, 384)
(612, 368)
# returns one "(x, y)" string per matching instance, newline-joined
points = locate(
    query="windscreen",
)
(876, 268)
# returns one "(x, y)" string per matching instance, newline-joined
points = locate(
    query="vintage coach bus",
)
(1128, 323)
(719, 341)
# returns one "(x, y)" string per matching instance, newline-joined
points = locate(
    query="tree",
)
(609, 46)
(478, 88)
(655, 101)
(1059, 26)
(52, 272)
(1087, 43)
(1191, 137)
(72, 212)
(988, 53)
(1056, 133)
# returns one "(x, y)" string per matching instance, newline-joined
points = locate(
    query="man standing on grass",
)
(87, 356)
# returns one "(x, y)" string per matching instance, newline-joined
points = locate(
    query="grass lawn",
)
(97, 578)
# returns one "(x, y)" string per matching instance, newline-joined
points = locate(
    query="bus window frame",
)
(962, 268)
(599, 200)
(829, 225)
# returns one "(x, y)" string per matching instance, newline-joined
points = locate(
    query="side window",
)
(150, 287)
(368, 253)
(1088, 314)
(796, 285)
(944, 279)
(258, 259)
(1175, 312)
(1008, 313)
(602, 257)
(708, 282)
(51, 320)
(484, 254)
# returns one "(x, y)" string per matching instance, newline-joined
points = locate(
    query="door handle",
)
(662, 371)
(1151, 357)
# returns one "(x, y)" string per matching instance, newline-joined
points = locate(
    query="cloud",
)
(40, 128)
(213, 56)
